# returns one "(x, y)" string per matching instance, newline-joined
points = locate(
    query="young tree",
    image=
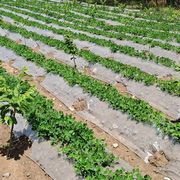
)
(93, 10)
(71, 48)
(11, 101)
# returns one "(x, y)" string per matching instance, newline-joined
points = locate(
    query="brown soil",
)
(49, 55)
(166, 78)
(122, 151)
(121, 88)
(85, 48)
(80, 105)
(19, 166)
(19, 41)
(158, 159)
(36, 49)
(87, 71)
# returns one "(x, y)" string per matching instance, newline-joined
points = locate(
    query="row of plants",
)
(68, 16)
(127, 71)
(139, 23)
(90, 157)
(117, 17)
(97, 23)
(167, 14)
(159, 14)
(131, 21)
(84, 26)
(151, 14)
(145, 55)
(137, 109)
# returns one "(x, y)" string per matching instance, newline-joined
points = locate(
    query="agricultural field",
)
(93, 90)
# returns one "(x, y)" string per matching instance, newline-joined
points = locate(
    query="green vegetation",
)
(139, 110)
(91, 160)
(10, 103)
(84, 25)
(100, 26)
(127, 71)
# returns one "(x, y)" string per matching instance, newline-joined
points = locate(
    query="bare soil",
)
(87, 71)
(121, 88)
(80, 105)
(18, 166)
(159, 159)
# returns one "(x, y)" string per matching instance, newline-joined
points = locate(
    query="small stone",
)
(166, 138)
(146, 159)
(53, 99)
(103, 122)
(134, 133)
(134, 97)
(115, 126)
(94, 70)
(156, 146)
(166, 178)
(71, 108)
(115, 145)
(27, 175)
(6, 174)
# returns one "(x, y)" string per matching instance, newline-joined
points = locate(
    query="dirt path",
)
(20, 169)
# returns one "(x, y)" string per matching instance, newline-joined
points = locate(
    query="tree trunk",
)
(74, 60)
(10, 142)
(13, 115)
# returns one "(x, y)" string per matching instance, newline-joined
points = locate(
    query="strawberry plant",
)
(126, 70)
(139, 110)
(89, 155)
(97, 23)
(92, 10)
(123, 49)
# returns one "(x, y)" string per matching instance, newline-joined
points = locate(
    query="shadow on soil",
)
(18, 146)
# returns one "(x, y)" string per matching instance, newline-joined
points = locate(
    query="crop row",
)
(102, 42)
(125, 70)
(137, 23)
(132, 22)
(138, 110)
(90, 157)
(88, 10)
(129, 21)
(95, 22)
(151, 14)
(167, 15)
(84, 25)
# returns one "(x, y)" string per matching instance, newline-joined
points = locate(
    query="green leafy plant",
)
(71, 48)
(93, 10)
(139, 110)
(10, 102)
(103, 2)
(66, 7)
(82, 25)
(90, 157)
(127, 71)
